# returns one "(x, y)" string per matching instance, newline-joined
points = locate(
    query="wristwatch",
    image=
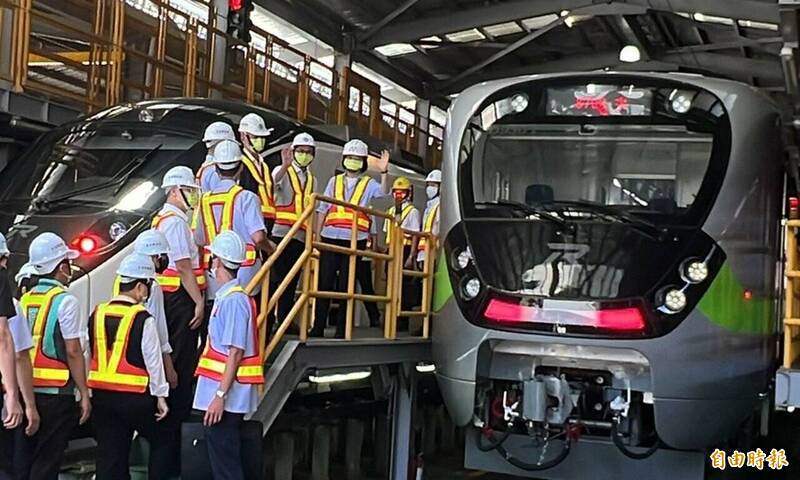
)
(221, 394)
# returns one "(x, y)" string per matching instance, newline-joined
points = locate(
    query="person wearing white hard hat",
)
(215, 133)
(230, 207)
(294, 183)
(231, 365)
(59, 368)
(335, 221)
(126, 373)
(430, 219)
(183, 283)
(15, 341)
(154, 244)
(255, 175)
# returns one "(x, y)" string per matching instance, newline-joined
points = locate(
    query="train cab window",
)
(656, 172)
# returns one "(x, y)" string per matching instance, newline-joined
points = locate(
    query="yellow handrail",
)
(310, 291)
(791, 326)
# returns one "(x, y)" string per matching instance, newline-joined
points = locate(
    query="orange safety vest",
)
(170, 279)
(427, 225)
(110, 369)
(289, 214)
(407, 240)
(48, 371)
(250, 370)
(228, 201)
(339, 216)
(264, 180)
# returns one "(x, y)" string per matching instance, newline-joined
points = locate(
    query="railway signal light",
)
(239, 19)
(794, 206)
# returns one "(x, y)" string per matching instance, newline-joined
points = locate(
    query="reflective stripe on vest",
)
(113, 372)
(427, 225)
(403, 215)
(289, 214)
(170, 279)
(250, 256)
(207, 203)
(37, 307)
(264, 180)
(339, 216)
(250, 370)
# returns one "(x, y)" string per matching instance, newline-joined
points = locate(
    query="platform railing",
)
(103, 52)
(309, 291)
(791, 321)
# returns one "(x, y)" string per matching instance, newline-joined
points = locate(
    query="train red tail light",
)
(626, 319)
(86, 244)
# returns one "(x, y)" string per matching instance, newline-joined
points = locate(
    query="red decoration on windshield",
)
(596, 104)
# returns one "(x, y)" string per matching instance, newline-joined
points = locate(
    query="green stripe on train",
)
(442, 289)
(725, 305)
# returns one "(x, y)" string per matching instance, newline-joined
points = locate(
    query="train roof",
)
(190, 116)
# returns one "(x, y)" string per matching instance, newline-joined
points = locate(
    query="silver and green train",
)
(606, 292)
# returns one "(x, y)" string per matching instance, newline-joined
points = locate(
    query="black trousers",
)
(179, 309)
(224, 442)
(41, 455)
(280, 270)
(332, 267)
(364, 278)
(116, 416)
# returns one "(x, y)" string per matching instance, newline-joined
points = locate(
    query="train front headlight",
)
(694, 271)
(470, 288)
(674, 300)
(463, 258)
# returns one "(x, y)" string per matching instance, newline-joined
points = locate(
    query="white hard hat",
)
(218, 131)
(303, 140)
(47, 251)
(179, 176)
(227, 155)
(229, 247)
(355, 147)
(25, 271)
(136, 267)
(3, 246)
(151, 242)
(254, 125)
(434, 176)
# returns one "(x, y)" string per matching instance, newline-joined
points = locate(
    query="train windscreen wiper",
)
(44, 204)
(645, 227)
(528, 210)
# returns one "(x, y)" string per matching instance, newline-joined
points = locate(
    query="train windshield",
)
(595, 152)
(108, 167)
(656, 171)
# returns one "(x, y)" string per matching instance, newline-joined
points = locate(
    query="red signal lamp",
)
(794, 208)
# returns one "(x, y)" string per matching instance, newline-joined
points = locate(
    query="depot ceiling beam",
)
(464, 19)
(735, 44)
(528, 38)
(307, 20)
(387, 19)
(458, 20)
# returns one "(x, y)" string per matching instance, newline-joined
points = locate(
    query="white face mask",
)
(431, 192)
